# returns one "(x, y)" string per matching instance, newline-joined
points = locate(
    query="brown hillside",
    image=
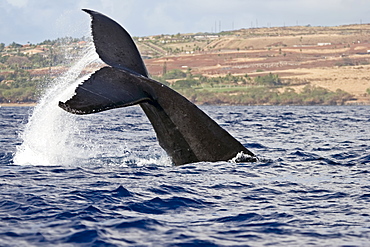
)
(330, 57)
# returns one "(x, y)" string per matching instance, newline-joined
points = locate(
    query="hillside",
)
(332, 58)
(329, 57)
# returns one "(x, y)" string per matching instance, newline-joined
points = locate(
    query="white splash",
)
(242, 157)
(53, 136)
(48, 137)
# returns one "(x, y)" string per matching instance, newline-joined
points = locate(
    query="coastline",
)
(17, 104)
(352, 103)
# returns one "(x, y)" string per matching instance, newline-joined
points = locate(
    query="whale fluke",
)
(107, 88)
(114, 45)
(185, 132)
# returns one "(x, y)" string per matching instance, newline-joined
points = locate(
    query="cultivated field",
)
(329, 57)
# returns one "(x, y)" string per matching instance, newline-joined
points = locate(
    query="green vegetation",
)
(20, 86)
(20, 77)
(24, 69)
(268, 80)
(244, 90)
(260, 95)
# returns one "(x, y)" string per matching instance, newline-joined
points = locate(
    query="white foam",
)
(242, 157)
(53, 136)
(49, 136)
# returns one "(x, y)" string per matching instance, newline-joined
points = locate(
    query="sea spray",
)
(52, 136)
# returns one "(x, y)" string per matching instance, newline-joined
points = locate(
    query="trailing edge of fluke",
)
(185, 132)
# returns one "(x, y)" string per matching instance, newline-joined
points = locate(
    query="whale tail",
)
(106, 89)
(114, 45)
(185, 132)
(109, 88)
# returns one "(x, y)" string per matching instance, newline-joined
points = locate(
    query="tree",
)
(268, 80)
(3, 59)
(164, 68)
(15, 45)
(18, 61)
(174, 74)
(187, 83)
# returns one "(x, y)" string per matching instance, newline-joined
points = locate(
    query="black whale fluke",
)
(114, 45)
(185, 132)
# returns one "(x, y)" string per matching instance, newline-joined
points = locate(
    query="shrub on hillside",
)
(268, 80)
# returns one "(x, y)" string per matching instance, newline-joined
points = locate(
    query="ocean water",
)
(103, 180)
(108, 183)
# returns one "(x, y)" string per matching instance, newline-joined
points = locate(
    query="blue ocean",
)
(103, 180)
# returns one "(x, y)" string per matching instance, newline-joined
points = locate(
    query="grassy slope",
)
(291, 52)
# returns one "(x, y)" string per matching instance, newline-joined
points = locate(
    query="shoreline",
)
(17, 104)
(355, 103)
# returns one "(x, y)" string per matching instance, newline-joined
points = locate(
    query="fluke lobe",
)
(185, 132)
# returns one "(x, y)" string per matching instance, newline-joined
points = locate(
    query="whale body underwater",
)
(185, 132)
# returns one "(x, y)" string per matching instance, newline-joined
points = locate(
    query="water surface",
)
(102, 180)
